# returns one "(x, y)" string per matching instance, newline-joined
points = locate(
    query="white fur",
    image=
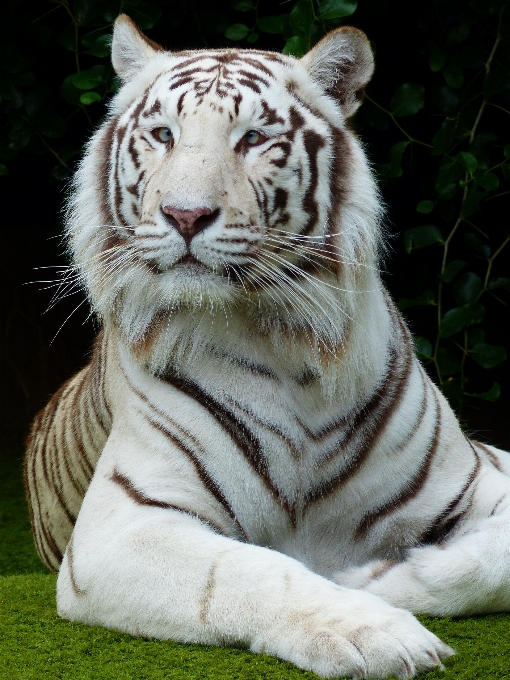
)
(164, 573)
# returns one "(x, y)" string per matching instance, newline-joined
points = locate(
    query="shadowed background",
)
(435, 123)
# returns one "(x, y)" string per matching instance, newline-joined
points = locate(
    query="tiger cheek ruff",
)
(254, 456)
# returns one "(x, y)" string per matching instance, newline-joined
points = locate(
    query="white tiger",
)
(273, 468)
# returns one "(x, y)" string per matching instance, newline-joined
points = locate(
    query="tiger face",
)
(225, 177)
(227, 168)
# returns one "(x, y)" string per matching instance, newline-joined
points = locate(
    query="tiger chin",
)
(254, 456)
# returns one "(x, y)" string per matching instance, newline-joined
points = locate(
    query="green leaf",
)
(253, 37)
(489, 181)
(445, 98)
(448, 210)
(451, 389)
(24, 79)
(423, 300)
(477, 245)
(115, 84)
(500, 282)
(408, 100)
(490, 395)
(374, 116)
(86, 80)
(472, 201)
(461, 317)
(468, 162)
(476, 336)
(19, 136)
(447, 179)
(479, 143)
(68, 37)
(3, 170)
(295, 46)
(88, 98)
(236, 32)
(452, 269)
(83, 11)
(213, 22)
(35, 100)
(444, 138)
(242, 5)
(467, 288)
(421, 237)
(396, 153)
(448, 361)
(301, 20)
(453, 74)
(497, 81)
(437, 60)
(51, 125)
(99, 44)
(145, 14)
(458, 34)
(270, 24)
(14, 95)
(333, 9)
(488, 356)
(69, 92)
(425, 207)
(422, 346)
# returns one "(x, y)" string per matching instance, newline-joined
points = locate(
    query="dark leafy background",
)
(435, 122)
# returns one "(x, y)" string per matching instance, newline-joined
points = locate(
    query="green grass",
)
(36, 645)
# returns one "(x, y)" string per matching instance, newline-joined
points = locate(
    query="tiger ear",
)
(342, 63)
(131, 49)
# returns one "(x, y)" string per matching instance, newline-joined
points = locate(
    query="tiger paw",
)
(356, 636)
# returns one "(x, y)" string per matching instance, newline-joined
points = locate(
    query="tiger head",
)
(227, 179)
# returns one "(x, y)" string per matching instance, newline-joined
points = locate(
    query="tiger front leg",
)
(156, 572)
(467, 573)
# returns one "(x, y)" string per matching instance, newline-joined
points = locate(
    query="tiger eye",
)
(253, 137)
(162, 134)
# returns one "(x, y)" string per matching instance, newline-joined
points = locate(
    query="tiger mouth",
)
(189, 259)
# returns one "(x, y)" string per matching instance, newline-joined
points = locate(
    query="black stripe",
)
(412, 488)
(371, 420)
(209, 483)
(252, 76)
(490, 455)
(442, 528)
(248, 83)
(247, 442)
(271, 427)
(70, 561)
(142, 499)
(313, 144)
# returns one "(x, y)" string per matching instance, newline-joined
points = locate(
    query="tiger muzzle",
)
(189, 223)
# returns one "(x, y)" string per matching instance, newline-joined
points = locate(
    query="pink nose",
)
(189, 222)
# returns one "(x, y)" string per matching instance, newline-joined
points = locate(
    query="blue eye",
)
(162, 134)
(253, 137)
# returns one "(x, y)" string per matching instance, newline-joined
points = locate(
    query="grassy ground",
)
(37, 645)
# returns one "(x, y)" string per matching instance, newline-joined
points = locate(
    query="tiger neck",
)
(201, 344)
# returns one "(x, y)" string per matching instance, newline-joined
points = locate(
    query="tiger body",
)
(254, 455)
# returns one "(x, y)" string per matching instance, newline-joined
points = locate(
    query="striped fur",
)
(254, 456)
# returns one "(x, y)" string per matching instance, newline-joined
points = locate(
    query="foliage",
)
(438, 131)
(464, 100)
